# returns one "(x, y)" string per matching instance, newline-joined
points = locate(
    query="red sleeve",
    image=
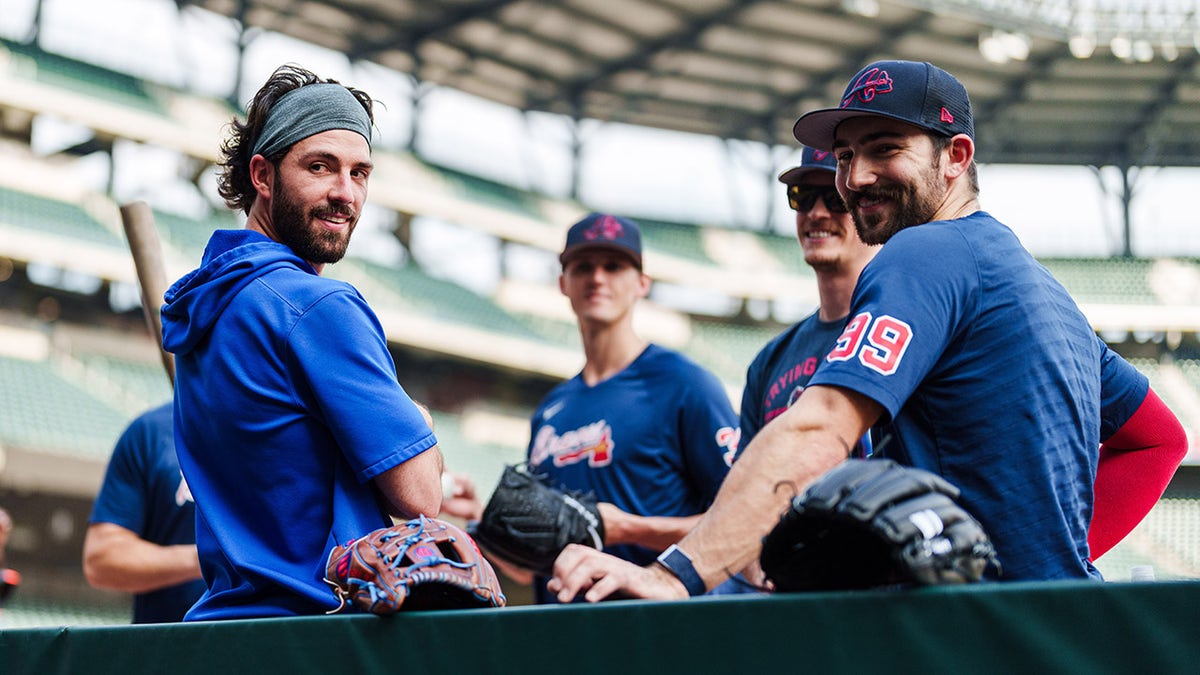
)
(1135, 466)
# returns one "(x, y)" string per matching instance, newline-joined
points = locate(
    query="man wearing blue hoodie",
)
(291, 428)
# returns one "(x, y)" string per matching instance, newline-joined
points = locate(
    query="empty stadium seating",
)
(71, 402)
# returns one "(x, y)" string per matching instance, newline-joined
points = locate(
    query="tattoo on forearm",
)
(787, 486)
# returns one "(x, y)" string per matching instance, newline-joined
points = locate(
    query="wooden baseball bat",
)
(152, 276)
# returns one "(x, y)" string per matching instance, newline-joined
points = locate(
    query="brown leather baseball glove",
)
(424, 563)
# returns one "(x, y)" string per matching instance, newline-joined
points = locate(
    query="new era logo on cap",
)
(918, 93)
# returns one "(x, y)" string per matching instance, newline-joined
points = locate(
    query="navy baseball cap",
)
(811, 160)
(915, 92)
(602, 230)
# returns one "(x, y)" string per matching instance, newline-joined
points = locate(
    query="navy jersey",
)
(144, 492)
(990, 376)
(782, 368)
(656, 439)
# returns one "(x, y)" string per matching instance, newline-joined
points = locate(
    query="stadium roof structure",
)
(1069, 82)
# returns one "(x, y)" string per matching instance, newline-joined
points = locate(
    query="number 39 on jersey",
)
(879, 343)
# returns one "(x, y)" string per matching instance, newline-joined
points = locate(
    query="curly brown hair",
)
(233, 182)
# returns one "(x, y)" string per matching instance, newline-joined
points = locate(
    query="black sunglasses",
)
(803, 197)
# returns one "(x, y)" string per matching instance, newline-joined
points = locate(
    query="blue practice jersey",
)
(286, 408)
(655, 439)
(144, 492)
(990, 376)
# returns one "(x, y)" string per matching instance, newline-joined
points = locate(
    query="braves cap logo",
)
(873, 81)
(604, 228)
(820, 155)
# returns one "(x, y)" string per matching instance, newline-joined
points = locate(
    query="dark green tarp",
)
(1078, 627)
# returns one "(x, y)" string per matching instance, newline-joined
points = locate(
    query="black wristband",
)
(678, 563)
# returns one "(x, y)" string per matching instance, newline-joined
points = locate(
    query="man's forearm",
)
(118, 559)
(653, 532)
(784, 458)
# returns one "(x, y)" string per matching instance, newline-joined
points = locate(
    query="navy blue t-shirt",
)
(990, 376)
(781, 370)
(656, 439)
(144, 491)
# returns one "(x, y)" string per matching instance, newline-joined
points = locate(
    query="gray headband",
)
(309, 110)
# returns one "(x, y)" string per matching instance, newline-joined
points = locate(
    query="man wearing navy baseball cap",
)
(781, 370)
(604, 231)
(908, 96)
(643, 428)
(964, 354)
(918, 93)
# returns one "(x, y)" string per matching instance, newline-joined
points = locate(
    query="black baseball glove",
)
(872, 522)
(528, 523)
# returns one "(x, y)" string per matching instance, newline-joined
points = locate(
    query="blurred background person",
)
(141, 536)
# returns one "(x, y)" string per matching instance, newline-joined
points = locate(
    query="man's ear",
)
(262, 176)
(960, 154)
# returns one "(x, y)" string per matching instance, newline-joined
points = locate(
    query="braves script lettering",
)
(592, 442)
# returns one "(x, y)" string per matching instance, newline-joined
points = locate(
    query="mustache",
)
(332, 210)
(889, 192)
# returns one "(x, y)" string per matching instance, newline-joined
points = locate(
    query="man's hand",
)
(459, 498)
(581, 569)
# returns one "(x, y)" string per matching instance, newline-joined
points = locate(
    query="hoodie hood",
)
(232, 259)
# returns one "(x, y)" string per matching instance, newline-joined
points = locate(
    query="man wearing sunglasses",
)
(832, 248)
(973, 360)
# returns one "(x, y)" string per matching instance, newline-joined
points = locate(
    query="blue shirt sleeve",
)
(341, 350)
(123, 495)
(709, 433)
(1122, 390)
(750, 411)
(907, 309)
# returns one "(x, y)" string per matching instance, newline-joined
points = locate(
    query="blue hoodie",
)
(286, 406)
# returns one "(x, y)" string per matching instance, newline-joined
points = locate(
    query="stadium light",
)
(864, 8)
(1170, 51)
(1082, 46)
(1121, 47)
(1143, 51)
(1000, 46)
(1130, 29)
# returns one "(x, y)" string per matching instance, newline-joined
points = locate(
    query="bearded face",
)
(913, 203)
(299, 227)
